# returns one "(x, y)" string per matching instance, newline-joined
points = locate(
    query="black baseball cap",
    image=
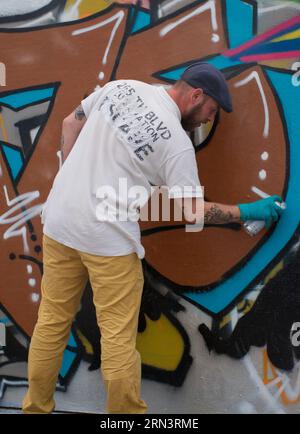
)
(211, 81)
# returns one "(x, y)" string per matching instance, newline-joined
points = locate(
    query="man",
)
(132, 131)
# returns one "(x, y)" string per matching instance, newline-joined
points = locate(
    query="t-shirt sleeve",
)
(90, 101)
(180, 174)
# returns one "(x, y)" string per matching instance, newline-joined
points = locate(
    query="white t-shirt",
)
(133, 131)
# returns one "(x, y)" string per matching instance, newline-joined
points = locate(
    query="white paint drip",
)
(210, 5)
(215, 37)
(234, 317)
(281, 388)
(254, 75)
(29, 269)
(35, 297)
(262, 175)
(262, 390)
(260, 192)
(292, 393)
(32, 282)
(164, 8)
(20, 219)
(264, 156)
(118, 17)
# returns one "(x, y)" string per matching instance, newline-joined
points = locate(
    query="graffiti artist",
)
(133, 130)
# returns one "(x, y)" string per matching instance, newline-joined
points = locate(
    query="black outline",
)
(60, 388)
(176, 377)
(127, 29)
(254, 5)
(225, 23)
(209, 136)
(157, 229)
(25, 126)
(34, 260)
(154, 5)
(55, 85)
(283, 120)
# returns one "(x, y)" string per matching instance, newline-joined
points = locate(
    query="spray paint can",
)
(252, 227)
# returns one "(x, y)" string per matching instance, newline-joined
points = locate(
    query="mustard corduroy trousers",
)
(117, 283)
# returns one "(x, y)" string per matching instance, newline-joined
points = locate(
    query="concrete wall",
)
(218, 326)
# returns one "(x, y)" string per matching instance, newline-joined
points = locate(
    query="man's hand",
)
(72, 125)
(263, 209)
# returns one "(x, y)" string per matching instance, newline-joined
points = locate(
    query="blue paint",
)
(222, 62)
(225, 293)
(14, 158)
(173, 75)
(239, 22)
(143, 19)
(272, 47)
(282, 32)
(72, 342)
(18, 100)
(269, 39)
(67, 362)
(68, 357)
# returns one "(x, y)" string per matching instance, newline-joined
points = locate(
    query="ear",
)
(197, 95)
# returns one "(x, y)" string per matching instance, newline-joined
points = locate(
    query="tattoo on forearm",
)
(79, 113)
(217, 216)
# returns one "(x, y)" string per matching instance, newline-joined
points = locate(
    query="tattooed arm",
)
(214, 213)
(71, 128)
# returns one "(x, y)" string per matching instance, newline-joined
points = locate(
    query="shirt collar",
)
(169, 100)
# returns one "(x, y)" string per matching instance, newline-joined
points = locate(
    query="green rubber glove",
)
(263, 209)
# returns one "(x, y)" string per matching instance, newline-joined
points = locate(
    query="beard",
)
(189, 122)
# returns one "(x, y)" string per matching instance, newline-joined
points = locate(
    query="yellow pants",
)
(117, 283)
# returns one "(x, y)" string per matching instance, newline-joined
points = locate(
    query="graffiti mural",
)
(232, 294)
